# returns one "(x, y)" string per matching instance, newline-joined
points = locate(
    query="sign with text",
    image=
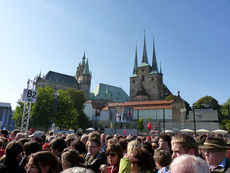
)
(29, 95)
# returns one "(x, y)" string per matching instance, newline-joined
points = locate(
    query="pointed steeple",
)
(160, 69)
(135, 63)
(144, 56)
(83, 59)
(86, 69)
(154, 62)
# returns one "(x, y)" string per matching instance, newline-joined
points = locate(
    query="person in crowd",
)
(71, 158)
(200, 141)
(57, 145)
(103, 143)
(20, 135)
(42, 162)
(95, 158)
(141, 161)
(214, 152)
(29, 148)
(79, 146)
(189, 164)
(164, 142)
(2, 150)
(10, 161)
(14, 133)
(4, 133)
(114, 154)
(39, 136)
(123, 143)
(70, 138)
(184, 144)
(84, 138)
(125, 165)
(162, 160)
(77, 169)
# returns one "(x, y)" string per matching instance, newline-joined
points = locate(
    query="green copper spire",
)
(135, 63)
(154, 62)
(83, 59)
(86, 69)
(144, 61)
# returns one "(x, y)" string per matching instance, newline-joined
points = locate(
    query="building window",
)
(152, 78)
(143, 70)
(142, 78)
(133, 80)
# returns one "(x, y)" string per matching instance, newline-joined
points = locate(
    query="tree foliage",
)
(18, 113)
(206, 102)
(70, 114)
(42, 110)
(140, 124)
(225, 116)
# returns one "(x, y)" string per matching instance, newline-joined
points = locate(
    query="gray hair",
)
(189, 164)
(77, 170)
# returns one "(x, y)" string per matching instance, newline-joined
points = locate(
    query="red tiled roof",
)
(158, 104)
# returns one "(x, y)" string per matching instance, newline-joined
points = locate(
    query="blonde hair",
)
(133, 145)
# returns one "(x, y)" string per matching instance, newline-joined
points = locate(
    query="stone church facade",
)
(146, 82)
(81, 80)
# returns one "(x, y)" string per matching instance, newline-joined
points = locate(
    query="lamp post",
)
(137, 122)
(164, 120)
(194, 120)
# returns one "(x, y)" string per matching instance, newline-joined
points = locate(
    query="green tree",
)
(18, 113)
(42, 110)
(140, 124)
(80, 119)
(224, 117)
(206, 102)
(64, 108)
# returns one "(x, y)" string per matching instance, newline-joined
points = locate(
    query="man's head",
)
(162, 158)
(57, 146)
(184, 144)
(93, 146)
(214, 150)
(164, 142)
(189, 164)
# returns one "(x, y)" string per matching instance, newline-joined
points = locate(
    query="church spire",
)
(135, 63)
(144, 56)
(154, 62)
(83, 59)
(86, 69)
(160, 69)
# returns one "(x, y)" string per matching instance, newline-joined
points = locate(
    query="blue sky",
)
(192, 42)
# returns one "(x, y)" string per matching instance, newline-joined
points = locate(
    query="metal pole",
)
(164, 120)
(194, 120)
(137, 122)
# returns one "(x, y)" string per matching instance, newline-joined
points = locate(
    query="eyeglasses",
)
(111, 154)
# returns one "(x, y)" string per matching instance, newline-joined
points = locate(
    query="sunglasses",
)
(111, 154)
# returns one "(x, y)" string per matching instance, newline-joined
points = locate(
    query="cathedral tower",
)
(146, 82)
(83, 77)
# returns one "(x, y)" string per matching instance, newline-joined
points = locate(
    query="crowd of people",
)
(39, 152)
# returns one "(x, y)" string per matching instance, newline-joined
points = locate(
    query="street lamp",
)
(194, 120)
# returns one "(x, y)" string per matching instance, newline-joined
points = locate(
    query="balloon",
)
(149, 126)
